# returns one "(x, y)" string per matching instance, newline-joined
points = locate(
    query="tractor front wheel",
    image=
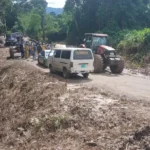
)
(117, 69)
(98, 64)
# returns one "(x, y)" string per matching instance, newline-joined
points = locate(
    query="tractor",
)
(14, 48)
(13, 40)
(104, 55)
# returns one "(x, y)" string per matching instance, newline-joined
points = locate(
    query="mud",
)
(40, 112)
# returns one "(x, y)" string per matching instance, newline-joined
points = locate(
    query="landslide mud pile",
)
(25, 94)
(39, 112)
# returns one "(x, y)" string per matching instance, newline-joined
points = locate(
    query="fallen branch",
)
(4, 78)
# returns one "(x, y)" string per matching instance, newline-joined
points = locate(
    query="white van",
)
(71, 61)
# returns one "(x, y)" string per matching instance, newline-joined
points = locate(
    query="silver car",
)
(43, 58)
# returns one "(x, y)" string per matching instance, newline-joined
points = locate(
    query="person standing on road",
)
(30, 49)
(43, 46)
(22, 47)
(26, 50)
(39, 48)
(48, 47)
(34, 51)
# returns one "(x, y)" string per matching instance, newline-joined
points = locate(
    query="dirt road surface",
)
(136, 86)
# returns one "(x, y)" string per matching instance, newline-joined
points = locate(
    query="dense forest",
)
(127, 22)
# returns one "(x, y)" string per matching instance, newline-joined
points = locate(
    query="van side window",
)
(65, 54)
(82, 54)
(57, 53)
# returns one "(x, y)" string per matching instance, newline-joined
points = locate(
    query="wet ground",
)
(45, 112)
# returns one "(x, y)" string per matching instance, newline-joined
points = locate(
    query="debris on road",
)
(4, 78)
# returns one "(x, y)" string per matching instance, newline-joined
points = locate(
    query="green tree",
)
(41, 6)
(34, 26)
(57, 26)
(107, 15)
(29, 23)
(4, 7)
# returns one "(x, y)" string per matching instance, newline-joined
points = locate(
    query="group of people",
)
(32, 49)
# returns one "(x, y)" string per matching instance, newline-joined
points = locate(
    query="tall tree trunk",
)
(43, 26)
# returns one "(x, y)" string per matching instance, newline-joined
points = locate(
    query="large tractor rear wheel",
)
(117, 69)
(98, 64)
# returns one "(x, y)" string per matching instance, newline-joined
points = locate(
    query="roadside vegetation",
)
(126, 22)
(136, 47)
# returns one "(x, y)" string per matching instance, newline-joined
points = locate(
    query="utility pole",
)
(43, 25)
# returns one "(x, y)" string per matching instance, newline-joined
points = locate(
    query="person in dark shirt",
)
(48, 47)
(39, 48)
(34, 51)
(22, 47)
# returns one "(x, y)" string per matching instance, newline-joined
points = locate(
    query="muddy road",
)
(136, 86)
(45, 112)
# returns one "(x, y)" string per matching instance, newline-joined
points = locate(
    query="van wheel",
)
(86, 75)
(66, 75)
(51, 70)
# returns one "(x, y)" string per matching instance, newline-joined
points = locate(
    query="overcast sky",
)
(56, 3)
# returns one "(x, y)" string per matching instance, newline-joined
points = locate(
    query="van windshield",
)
(82, 54)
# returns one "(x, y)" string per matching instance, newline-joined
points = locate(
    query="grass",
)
(52, 123)
(136, 46)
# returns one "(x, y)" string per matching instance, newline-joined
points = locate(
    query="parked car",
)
(71, 61)
(43, 58)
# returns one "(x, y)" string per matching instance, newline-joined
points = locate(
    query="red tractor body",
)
(103, 55)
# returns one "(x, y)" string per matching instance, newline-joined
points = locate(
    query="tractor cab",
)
(94, 40)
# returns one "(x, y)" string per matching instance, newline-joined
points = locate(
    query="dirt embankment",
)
(40, 112)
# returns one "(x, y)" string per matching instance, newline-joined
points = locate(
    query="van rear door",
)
(83, 60)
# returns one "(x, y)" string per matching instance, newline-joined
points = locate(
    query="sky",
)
(56, 3)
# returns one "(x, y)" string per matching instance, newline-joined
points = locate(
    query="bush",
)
(136, 45)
